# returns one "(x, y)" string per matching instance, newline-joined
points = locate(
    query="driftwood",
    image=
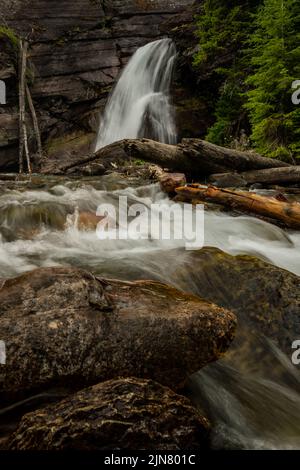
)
(22, 70)
(194, 157)
(285, 212)
(35, 122)
(285, 175)
(26, 147)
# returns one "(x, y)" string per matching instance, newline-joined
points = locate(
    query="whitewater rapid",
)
(39, 216)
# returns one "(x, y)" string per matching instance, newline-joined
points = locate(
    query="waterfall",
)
(139, 105)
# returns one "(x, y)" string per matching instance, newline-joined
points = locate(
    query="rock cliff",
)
(77, 49)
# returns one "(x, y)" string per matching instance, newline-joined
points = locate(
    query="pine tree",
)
(224, 28)
(275, 59)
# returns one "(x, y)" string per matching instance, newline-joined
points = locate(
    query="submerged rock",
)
(118, 414)
(64, 327)
(262, 295)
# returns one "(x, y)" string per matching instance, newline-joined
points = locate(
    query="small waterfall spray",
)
(139, 105)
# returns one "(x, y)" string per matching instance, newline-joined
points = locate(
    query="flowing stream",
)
(249, 401)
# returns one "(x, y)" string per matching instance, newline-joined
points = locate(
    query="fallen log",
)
(194, 157)
(214, 156)
(285, 212)
(285, 175)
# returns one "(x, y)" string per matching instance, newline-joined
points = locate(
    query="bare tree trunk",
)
(21, 106)
(22, 125)
(26, 148)
(194, 157)
(35, 122)
(285, 175)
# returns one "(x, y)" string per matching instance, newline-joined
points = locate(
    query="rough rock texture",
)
(118, 414)
(9, 126)
(78, 48)
(193, 111)
(170, 181)
(63, 327)
(260, 294)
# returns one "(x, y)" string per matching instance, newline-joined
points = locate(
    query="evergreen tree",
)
(275, 59)
(224, 28)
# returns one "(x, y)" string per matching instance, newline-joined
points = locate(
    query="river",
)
(253, 403)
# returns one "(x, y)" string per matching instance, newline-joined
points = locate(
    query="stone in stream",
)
(93, 169)
(170, 181)
(64, 327)
(118, 414)
(262, 295)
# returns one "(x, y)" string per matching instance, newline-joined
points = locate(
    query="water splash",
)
(252, 396)
(140, 106)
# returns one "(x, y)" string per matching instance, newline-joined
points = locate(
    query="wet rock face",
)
(119, 414)
(78, 49)
(263, 296)
(65, 328)
(170, 181)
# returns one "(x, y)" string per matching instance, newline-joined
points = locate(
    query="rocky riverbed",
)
(68, 323)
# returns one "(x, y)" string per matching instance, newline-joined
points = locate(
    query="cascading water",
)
(140, 106)
(252, 403)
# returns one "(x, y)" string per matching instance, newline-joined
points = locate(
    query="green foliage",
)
(276, 64)
(139, 162)
(250, 51)
(227, 113)
(11, 35)
(223, 29)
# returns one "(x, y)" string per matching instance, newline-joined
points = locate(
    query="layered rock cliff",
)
(77, 50)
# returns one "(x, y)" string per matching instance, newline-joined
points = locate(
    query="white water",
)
(139, 105)
(248, 403)
(38, 213)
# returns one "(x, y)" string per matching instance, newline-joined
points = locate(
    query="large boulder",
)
(264, 297)
(118, 414)
(64, 327)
